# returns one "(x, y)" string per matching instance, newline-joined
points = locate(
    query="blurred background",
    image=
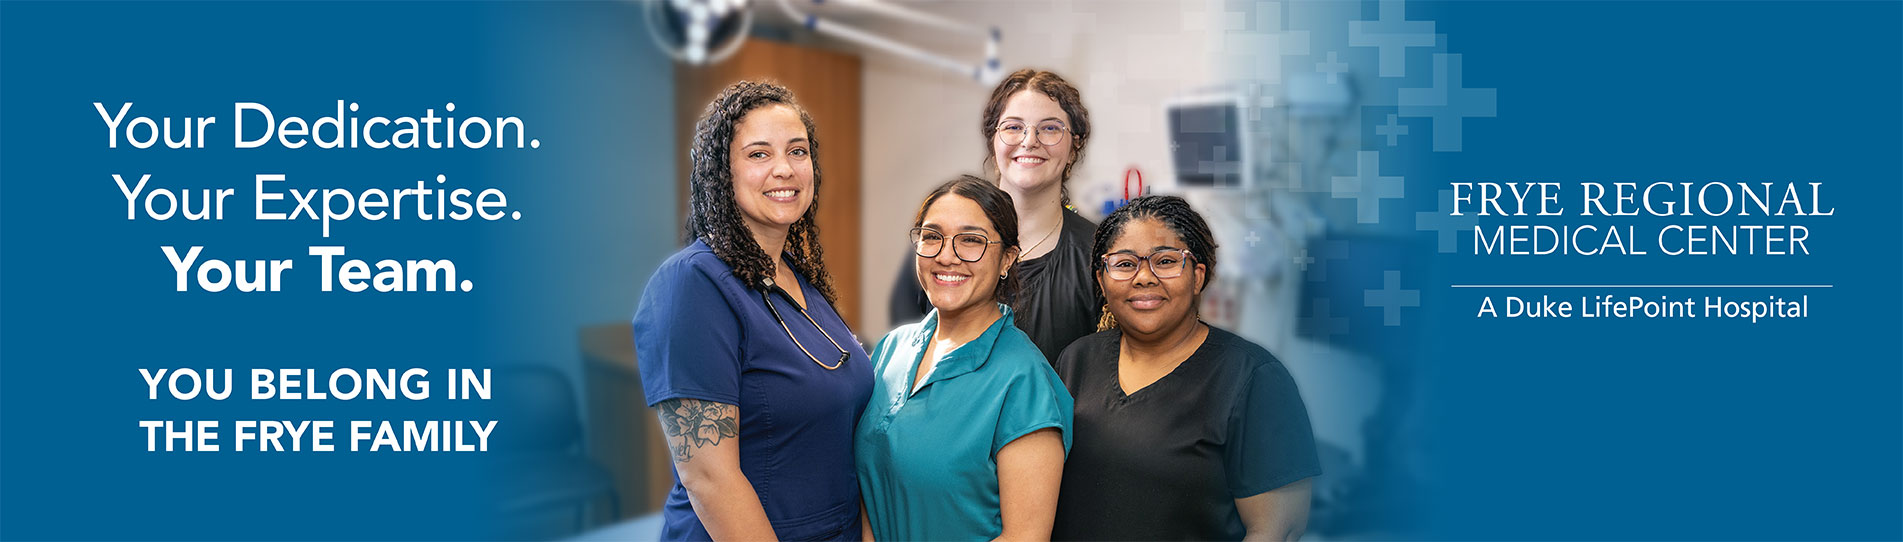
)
(1315, 136)
(1234, 105)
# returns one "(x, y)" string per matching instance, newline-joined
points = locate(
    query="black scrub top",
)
(1169, 461)
(1059, 303)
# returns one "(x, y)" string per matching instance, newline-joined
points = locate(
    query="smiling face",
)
(1031, 165)
(1146, 305)
(772, 164)
(952, 284)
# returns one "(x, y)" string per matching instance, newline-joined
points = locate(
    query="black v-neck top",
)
(1168, 461)
(1059, 302)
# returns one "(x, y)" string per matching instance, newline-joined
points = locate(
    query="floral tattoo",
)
(693, 423)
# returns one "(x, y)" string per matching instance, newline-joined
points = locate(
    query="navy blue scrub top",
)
(701, 333)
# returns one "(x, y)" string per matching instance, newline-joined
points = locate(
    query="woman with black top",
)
(1183, 431)
(1035, 127)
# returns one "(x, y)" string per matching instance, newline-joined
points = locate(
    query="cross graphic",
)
(1322, 320)
(1333, 67)
(1256, 35)
(1393, 130)
(1391, 34)
(1303, 260)
(1225, 170)
(1368, 187)
(1390, 298)
(1252, 238)
(1325, 251)
(1444, 224)
(1447, 102)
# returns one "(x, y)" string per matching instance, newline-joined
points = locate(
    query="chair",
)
(538, 443)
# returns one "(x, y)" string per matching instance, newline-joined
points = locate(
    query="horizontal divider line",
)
(1641, 286)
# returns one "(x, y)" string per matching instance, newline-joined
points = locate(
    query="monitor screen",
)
(1206, 144)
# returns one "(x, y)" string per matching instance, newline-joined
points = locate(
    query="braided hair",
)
(714, 216)
(1048, 84)
(1173, 212)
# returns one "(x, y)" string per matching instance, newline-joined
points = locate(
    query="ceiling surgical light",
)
(699, 32)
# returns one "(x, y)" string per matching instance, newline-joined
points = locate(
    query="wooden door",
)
(827, 84)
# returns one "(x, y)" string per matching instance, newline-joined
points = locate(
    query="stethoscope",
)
(768, 282)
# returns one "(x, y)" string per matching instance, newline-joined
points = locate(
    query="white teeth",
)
(1029, 160)
(950, 278)
(780, 193)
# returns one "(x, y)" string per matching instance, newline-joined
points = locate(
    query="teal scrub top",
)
(928, 460)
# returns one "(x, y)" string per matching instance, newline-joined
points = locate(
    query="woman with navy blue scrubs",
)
(968, 426)
(756, 379)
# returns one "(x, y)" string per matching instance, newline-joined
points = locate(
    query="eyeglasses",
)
(1165, 264)
(970, 247)
(1049, 132)
(843, 356)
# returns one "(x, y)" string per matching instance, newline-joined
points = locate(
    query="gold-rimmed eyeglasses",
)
(1049, 132)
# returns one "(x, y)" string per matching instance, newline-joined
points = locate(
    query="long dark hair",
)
(1173, 212)
(714, 217)
(1004, 218)
(1049, 84)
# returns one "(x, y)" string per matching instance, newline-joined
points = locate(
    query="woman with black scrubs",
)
(755, 377)
(1183, 431)
(1035, 126)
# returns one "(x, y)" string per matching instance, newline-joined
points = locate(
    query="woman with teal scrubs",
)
(966, 433)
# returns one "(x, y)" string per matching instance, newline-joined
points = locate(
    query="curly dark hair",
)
(714, 216)
(1173, 212)
(1050, 85)
(1004, 219)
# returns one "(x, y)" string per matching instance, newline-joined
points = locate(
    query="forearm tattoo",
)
(693, 423)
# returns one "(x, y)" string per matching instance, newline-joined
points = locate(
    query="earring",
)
(1107, 321)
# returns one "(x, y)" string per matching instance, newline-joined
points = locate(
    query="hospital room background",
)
(1250, 110)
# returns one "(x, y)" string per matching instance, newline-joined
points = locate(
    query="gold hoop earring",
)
(1107, 321)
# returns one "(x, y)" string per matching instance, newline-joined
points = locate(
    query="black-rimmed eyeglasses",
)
(967, 246)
